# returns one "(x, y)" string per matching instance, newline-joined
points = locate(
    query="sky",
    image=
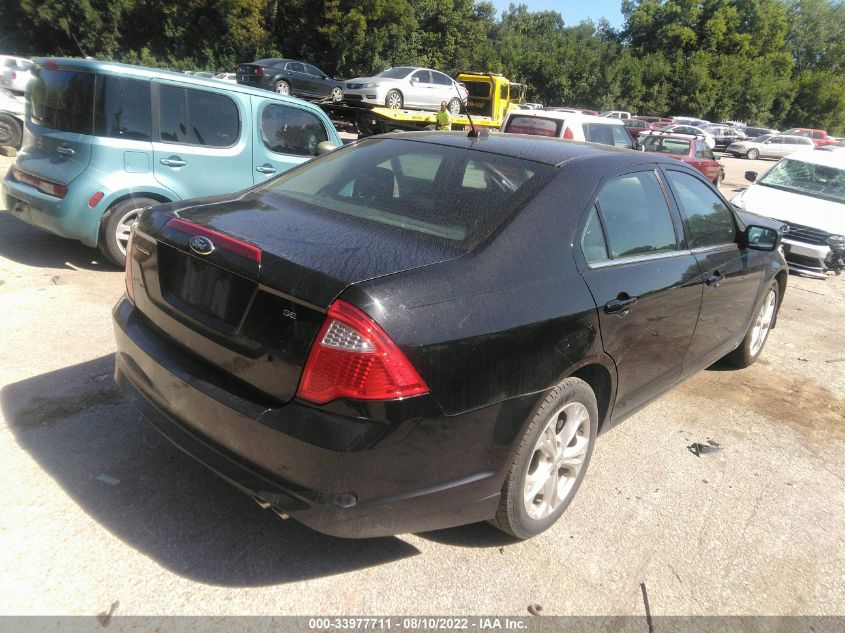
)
(573, 11)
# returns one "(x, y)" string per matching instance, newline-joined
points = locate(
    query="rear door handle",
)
(715, 279)
(173, 162)
(65, 150)
(266, 169)
(619, 306)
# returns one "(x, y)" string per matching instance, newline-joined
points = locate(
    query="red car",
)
(635, 126)
(694, 152)
(819, 137)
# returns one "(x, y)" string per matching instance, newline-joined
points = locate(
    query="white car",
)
(406, 87)
(770, 146)
(12, 109)
(615, 114)
(569, 125)
(15, 73)
(686, 130)
(230, 77)
(807, 192)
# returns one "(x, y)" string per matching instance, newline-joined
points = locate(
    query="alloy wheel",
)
(556, 461)
(763, 323)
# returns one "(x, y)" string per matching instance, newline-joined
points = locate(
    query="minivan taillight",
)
(352, 357)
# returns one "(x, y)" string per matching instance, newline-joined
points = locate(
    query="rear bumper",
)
(445, 471)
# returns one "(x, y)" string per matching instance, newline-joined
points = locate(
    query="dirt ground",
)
(101, 513)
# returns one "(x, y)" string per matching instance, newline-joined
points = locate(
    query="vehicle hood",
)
(310, 253)
(792, 207)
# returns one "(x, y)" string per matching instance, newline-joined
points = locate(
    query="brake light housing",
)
(353, 357)
(45, 186)
(567, 133)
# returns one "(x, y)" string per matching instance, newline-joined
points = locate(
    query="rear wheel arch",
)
(599, 378)
(102, 241)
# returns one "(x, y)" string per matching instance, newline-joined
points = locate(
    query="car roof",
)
(566, 116)
(815, 157)
(142, 72)
(540, 149)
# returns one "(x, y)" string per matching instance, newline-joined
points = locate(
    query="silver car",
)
(770, 146)
(15, 73)
(406, 87)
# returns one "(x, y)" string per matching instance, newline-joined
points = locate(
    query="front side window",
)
(440, 79)
(122, 108)
(676, 146)
(709, 221)
(606, 134)
(446, 193)
(636, 216)
(197, 117)
(287, 130)
(313, 71)
(62, 100)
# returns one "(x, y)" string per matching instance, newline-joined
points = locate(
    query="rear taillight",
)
(46, 186)
(567, 133)
(130, 286)
(352, 357)
(259, 71)
(14, 75)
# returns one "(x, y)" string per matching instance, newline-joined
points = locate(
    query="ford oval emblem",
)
(201, 245)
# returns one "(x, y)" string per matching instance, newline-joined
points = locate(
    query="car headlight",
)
(374, 84)
(836, 241)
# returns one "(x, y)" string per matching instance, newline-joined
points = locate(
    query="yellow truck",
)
(491, 97)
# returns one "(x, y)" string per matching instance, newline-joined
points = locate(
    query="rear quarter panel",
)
(511, 318)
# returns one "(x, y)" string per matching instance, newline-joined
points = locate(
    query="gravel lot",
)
(99, 512)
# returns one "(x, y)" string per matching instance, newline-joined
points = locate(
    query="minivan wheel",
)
(550, 462)
(282, 87)
(116, 225)
(10, 131)
(755, 339)
(337, 94)
(752, 154)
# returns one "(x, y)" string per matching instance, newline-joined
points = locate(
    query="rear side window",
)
(197, 117)
(709, 221)
(535, 125)
(445, 193)
(592, 240)
(702, 151)
(606, 134)
(63, 100)
(287, 130)
(636, 216)
(122, 108)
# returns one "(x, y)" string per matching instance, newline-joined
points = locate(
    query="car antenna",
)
(81, 50)
(473, 133)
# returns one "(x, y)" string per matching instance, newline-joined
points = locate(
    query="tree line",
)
(770, 62)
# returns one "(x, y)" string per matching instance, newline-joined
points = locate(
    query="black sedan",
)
(422, 330)
(290, 77)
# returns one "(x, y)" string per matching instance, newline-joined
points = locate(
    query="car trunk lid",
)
(253, 304)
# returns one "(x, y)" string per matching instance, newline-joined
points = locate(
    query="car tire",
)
(765, 315)
(115, 227)
(282, 87)
(337, 94)
(567, 419)
(454, 106)
(752, 154)
(11, 131)
(394, 100)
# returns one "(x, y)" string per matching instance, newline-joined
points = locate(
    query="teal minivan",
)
(105, 140)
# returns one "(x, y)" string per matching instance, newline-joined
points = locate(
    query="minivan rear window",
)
(62, 100)
(534, 125)
(446, 193)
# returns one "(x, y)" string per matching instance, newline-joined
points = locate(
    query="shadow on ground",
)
(25, 244)
(77, 427)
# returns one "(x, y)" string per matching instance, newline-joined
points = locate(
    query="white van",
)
(569, 125)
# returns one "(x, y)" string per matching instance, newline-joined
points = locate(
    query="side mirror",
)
(325, 147)
(761, 238)
(751, 176)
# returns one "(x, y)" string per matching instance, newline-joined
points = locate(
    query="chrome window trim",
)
(637, 259)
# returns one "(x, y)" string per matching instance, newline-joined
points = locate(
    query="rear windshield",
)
(452, 194)
(676, 146)
(62, 100)
(535, 125)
